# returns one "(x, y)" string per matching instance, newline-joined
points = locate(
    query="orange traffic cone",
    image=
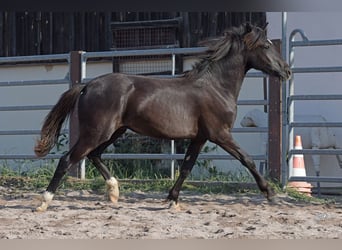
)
(299, 170)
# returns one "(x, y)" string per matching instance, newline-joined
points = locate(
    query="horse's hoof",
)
(113, 198)
(42, 208)
(273, 200)
(46, 199)
(113, 190)
(174, 206)
(270, 194)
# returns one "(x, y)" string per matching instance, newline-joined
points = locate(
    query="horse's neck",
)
(229, 76)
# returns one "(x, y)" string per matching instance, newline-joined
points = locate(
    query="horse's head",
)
(261, 54)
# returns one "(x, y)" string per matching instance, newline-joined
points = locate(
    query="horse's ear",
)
(248, 27)
(265, 26)
(251, 39)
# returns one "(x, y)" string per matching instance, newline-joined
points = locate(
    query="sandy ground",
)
(86, 215)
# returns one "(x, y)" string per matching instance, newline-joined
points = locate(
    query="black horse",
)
(200, 106)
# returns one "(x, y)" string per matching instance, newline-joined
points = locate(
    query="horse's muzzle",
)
(288, 73)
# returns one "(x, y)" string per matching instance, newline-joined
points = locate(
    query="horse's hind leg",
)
(227, 142)
(187, 165)
(63, 165)
(95, 157)
(66, 162)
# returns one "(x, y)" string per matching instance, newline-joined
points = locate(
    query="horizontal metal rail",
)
(144, 52)
(305, 42)
(315, 151)
(316, 178)
(20, 132)
(250, 130)
(27, 132)
(26, 108)
(314, 97)
(66, 131)
(315, 124)
(308, 43)
(252, 102)
(28, 157)
(21, 59)
(316, 69)
(34, 82)
(175, 156)
(133, 157)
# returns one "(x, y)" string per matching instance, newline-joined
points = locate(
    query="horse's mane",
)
(220, 47)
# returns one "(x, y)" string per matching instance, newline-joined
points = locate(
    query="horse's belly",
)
(165, 126)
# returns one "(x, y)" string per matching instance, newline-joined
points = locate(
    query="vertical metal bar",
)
(284, 172)
(173, 141)
(83, 76)
(291, 107)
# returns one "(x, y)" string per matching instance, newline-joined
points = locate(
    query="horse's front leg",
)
(226, 141)
(187, 165)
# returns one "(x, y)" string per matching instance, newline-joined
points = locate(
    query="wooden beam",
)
(274, 124)
(75, 78)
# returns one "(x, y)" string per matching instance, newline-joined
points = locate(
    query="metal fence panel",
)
(292, 97)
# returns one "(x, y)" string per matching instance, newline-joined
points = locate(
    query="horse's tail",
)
(54, 120)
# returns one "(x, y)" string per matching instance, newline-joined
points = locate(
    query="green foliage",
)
(7, 171)
(139, 168)
(298, 196)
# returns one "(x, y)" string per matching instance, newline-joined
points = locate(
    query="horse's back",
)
(101, 101)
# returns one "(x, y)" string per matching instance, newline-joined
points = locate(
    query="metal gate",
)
(290, 107)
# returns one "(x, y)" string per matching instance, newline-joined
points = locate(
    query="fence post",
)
(274, 123)
(76, 75)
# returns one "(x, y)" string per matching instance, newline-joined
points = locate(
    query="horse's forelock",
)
(252, 38)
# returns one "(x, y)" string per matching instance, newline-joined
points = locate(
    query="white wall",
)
(33, 95)
(26, 95)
